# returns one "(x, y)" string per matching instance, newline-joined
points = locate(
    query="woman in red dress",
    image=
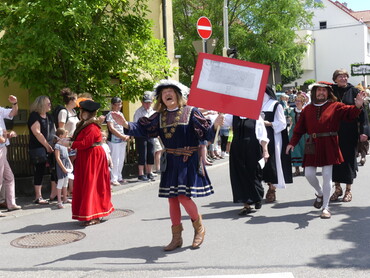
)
(91, 193)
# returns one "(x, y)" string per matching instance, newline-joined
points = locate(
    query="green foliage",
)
(279, 87)
(263, 31)
(309, 82)
(80, 44)
(185, 16)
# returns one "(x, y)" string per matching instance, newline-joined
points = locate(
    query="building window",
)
(322, 24)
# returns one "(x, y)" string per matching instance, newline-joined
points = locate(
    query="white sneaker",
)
(222, 154)
(115, 183)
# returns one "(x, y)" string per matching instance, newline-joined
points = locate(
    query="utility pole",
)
(226, 29)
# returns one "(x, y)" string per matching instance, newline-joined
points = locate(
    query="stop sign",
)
(204, 27)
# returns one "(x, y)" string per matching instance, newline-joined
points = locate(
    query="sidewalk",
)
(28, 207)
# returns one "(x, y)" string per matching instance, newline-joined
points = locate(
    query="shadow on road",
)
(149, 255)
(301, 219)
(45, 228)
(355, 229)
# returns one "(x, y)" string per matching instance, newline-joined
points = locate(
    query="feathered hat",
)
(168, 83)
(323, 84)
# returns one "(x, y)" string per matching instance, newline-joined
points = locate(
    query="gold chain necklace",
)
(168, 135)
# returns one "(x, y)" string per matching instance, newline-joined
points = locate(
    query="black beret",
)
(89, 105)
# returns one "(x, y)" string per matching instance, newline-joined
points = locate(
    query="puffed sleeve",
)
(348, 113)
(144, 127)
(261, 132)
(279, 123)
(202, 127)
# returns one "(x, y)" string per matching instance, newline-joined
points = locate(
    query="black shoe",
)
(142, 178)
(258, 205)
(245, 211)
(318, 202)
(151, 177)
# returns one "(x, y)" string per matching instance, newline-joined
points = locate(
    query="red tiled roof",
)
(362, 15)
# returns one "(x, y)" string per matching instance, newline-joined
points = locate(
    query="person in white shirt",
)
(117, 141)
(68, 119)
(6, 174)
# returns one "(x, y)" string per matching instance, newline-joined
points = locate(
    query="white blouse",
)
(260, 129)
(279, 123)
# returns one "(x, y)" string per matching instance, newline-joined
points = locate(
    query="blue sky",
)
(357, 5)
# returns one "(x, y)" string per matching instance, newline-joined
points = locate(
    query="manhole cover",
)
(47, 239)
(119, 213)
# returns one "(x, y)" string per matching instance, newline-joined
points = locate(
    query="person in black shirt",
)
(41, 129)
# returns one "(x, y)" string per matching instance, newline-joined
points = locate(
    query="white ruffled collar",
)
(320, 104)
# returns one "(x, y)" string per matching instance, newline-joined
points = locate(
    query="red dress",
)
(91, 191)
(322, 119)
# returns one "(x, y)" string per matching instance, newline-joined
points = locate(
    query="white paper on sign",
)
(262, 162)
(230, 79)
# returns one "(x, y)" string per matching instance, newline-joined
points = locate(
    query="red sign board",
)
(204, 28)
(229, 85)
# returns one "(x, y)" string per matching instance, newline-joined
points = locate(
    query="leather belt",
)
(97, 144)
(323, 134)
(182, 151)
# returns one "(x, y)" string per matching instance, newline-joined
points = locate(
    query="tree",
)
(48, 45)
(262, 31)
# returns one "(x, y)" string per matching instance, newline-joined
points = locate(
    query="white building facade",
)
(339, 38)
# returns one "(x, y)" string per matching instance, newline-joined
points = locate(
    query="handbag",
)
(50, 136)
(38, 155)
(309, 147)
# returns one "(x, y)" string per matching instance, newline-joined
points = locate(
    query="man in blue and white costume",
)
(181, 128)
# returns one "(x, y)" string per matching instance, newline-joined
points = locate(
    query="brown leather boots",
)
(176, 241)
(176, 238)
(199, 232)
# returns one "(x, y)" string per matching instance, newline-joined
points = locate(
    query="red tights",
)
(175, 211)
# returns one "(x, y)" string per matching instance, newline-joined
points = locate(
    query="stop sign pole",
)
(204, 28)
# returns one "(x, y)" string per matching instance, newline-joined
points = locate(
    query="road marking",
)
(263, 275)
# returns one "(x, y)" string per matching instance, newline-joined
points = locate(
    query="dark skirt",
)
(245, 171)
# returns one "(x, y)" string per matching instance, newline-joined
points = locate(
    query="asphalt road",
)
(285, 239)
